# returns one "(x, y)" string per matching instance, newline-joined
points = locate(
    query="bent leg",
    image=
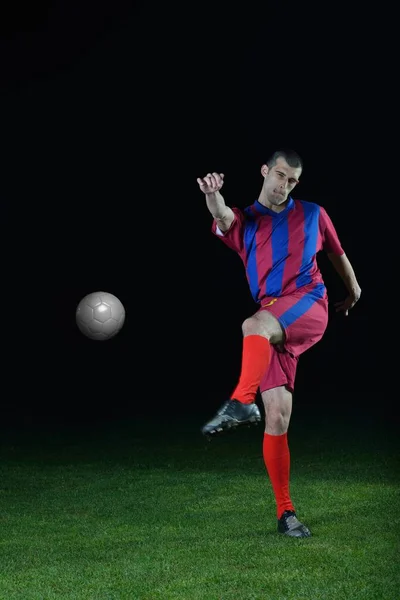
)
(259, 332)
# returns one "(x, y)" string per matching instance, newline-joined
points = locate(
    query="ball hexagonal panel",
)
(100, 315)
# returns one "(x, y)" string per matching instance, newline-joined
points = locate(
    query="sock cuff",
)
(281, 435)
(256, 338)
(276, 445)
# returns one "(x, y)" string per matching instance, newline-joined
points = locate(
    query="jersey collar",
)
(263, 210)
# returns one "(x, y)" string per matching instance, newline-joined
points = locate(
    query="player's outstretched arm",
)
(344, 268)
(210, 186)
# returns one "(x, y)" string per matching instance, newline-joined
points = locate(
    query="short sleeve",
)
(233, 238)
(330, 239)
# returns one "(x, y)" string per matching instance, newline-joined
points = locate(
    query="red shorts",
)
(303, 316)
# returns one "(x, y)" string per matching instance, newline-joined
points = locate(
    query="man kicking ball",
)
(277, 238)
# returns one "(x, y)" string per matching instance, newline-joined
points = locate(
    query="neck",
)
(262, 199)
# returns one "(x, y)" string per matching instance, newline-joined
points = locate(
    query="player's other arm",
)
(210, 186)
(343, 267)
(340, 262)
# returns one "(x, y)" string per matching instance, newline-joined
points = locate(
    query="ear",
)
(264, 170)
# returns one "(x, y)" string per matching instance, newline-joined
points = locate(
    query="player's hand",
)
(211, 183)
(348, 303)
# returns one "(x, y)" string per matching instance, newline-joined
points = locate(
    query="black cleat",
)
(289, 525)
(232, 414)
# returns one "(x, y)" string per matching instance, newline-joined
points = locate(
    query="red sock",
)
(277, 461)
(255, 361)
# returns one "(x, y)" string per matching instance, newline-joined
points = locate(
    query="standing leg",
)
(278, 410)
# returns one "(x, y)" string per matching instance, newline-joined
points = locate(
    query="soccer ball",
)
(100, 316)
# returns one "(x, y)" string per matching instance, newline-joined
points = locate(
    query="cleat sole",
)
(234, 425)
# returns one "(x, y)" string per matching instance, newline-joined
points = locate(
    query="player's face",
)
(279, 181)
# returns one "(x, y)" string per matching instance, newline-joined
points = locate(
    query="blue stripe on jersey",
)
(303, 305)
(280, 247)
(250, 231)
(311, 226)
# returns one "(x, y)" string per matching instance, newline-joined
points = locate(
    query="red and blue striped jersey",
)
(279, 250)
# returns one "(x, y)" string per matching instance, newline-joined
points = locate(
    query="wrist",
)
(355, 290)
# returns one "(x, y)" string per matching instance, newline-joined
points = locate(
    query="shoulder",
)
(311, 208)
(306, 204)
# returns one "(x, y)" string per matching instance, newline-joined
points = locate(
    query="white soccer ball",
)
(100, 316)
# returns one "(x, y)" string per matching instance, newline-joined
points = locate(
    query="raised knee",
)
(253, 326)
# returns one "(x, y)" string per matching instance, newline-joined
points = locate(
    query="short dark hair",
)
(291, 157)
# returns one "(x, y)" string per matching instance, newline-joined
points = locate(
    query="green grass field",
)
(138, 511)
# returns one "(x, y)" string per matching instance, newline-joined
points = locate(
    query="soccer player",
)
(277, 237)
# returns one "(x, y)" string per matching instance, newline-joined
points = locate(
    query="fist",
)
(211, 183)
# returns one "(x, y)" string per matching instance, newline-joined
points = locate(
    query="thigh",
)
(281, 371)
(303, 317)
(278, 404)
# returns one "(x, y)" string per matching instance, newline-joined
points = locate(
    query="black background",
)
(109, 112)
